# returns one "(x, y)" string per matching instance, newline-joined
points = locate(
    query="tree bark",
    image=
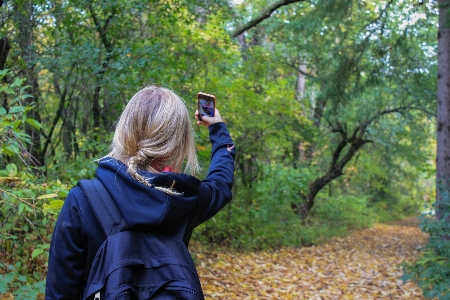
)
(4, 50)
(301, 84)
(443, 111)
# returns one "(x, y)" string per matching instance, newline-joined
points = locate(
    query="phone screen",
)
(206, 105)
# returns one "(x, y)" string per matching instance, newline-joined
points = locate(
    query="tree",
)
(443, 109)
(355, 62)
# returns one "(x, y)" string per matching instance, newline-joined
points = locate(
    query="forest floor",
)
(365, 265)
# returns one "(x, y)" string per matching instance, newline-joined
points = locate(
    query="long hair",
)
(155, 130)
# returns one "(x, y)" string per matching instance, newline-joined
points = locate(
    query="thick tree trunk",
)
(443, 111)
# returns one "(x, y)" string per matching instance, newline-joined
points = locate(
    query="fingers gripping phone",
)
(206, 105)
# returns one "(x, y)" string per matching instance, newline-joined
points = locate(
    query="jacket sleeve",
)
(67, 257)
(215, 189)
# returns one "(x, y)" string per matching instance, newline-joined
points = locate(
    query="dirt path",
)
(365, 265)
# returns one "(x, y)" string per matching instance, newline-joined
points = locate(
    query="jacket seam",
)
(166, 209)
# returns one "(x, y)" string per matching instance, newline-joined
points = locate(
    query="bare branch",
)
(265, 13)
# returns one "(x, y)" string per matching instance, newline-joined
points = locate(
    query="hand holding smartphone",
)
(206, 105)
(207, 108)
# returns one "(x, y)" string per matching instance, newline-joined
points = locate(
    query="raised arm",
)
(215, 189)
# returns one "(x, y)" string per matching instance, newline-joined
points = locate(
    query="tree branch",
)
(265, 13)
(102, 28)
(298, 70)
(378, 17)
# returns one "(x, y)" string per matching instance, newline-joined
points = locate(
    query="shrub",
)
(261, 217)
(28, 203)
(432, 270)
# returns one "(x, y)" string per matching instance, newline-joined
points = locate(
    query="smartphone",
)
(206, 105)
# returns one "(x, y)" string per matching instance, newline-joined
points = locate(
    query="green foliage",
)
(261, 216)
(24, 287)
(28, 204)
(83, 165)
(12, 137)
(343, 210)
(432, 269)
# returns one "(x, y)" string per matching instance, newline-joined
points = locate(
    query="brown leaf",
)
(364, 265)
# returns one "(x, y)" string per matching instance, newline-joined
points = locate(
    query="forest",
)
(332, 105)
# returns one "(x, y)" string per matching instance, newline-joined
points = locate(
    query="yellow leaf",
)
(47, 196)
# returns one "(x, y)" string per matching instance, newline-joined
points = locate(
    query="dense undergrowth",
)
(432, 269)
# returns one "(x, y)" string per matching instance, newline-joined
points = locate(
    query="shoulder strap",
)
(103, 206)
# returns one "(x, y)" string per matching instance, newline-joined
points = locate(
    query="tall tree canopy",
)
(308, 85)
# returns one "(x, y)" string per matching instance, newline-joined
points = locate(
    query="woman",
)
(152, 141)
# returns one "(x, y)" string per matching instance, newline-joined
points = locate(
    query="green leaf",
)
(24, 88)
(16, 109)
(2, 111)
(21, 207)
(10, 150)
(34, 123)
(3, 72)
(54, 205)
(24, 96)
(22, 278)
(63, 193)
(5, 280)
(12, 169)
(36, 253)
(17, 82)
(17, 124)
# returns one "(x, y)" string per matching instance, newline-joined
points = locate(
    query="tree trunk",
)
(102, 28)
(4, 50)
(301, 84)
(335, 170)
(26, 25)
(443, 111)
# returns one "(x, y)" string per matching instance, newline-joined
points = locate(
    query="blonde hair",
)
(155, 129)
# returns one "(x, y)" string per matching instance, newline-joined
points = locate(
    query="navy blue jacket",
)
(78, 235)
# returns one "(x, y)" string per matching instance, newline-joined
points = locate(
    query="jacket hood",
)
(144, 207)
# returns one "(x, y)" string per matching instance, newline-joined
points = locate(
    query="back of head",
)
(153, 131)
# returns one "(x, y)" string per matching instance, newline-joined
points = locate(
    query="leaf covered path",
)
(365, 265)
